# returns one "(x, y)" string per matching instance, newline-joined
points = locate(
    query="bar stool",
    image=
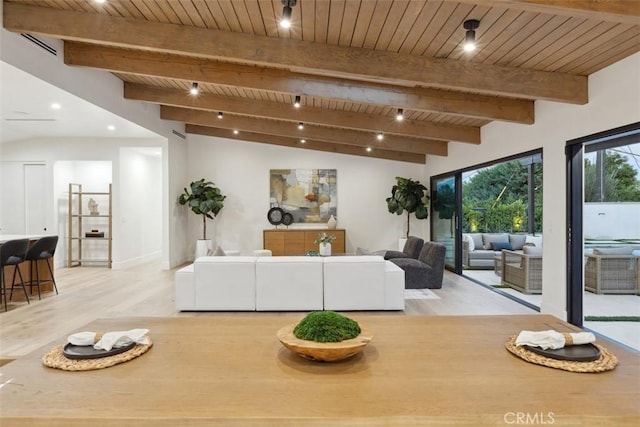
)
(13, 252)
(43, 249)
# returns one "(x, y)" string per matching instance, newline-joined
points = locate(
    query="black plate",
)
(287, 219)
(88, 352)
(574, 353)
(275, 216)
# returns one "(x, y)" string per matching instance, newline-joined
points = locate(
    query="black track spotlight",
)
(220, 114)
(194, 88)
(296, 102)
(400, 115)
(285, 22)
(470, 37)
(300, 125)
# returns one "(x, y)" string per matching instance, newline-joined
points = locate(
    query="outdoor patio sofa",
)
(480, 250)
(522, 271)
(612, 271)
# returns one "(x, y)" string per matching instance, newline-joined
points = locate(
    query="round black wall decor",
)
(275, 216)
(287, 219)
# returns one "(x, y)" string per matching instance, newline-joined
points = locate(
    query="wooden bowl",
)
(323, 351)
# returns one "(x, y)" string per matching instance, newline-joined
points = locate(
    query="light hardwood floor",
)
(89, 293)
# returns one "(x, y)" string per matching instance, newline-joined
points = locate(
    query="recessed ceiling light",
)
(300, 125)
(56, 106)
(380, 136)
(111, 127)
(302, 141)
(220, 114)
(369, 149)
(235, 131)
(100, 1)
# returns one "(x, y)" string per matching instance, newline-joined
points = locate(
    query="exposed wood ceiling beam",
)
(306, 114)
(619, 11)
(300, 56)
(317, 133)
(201, 70)
(309, 145)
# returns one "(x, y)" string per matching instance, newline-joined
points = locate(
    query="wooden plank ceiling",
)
(353, 63)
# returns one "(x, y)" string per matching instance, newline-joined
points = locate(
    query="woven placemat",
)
(55, 359)
(606, 362)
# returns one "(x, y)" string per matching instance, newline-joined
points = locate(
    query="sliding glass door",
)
(445, 217)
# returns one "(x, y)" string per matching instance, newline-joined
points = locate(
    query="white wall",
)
(612, 220)
(614, 100)
(106, 91)
(140, 207)
(241, 170)
(89, 157)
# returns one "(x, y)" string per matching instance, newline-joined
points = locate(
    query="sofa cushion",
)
(482, 254)
(517, 241)
(498, 237)
(532, 250)
(626, 250)
(498, 246)
(535, 240)
(467, 238)
(477, 240)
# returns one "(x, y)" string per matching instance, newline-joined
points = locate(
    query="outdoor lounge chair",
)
(612, 271)
(523, 271)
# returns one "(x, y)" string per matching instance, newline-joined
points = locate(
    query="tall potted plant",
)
(409, 196)
(204, 199)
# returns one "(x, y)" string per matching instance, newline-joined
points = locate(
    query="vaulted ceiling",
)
(353, 63)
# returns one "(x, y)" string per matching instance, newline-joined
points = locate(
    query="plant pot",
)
(202, 247)
(325, 249)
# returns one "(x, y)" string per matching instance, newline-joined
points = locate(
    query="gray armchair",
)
(523, 271)
(612, 271)
(425, 272)
(412, 248)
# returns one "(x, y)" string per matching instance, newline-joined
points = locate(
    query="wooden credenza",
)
(300, 241)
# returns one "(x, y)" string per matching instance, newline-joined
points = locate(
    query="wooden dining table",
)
(231, 370)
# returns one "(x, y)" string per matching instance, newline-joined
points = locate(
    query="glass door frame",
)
(575, 201)
(457, 241)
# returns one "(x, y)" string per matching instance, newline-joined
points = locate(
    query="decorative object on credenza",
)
(207, 200)
(325, 240)
(410, 196)
(93, 208)
(325, 336)
(309, 195)
(94, 233)
(332, 223)
(274, 216)
(287, 219)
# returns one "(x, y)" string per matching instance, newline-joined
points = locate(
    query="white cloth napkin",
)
(553, 339)
(109, 340)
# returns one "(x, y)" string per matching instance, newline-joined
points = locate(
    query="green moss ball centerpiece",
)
(325, 336)
(326, 326)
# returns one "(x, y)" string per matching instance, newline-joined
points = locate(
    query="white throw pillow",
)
(469, 240)
(534, 240)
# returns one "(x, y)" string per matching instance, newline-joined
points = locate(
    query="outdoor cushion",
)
(626, 250)
(488, 238)
(498, 246)
(477, 240)
(532, 250)
(535, 240)
(467, 238)
(517, 241)
(483, 254)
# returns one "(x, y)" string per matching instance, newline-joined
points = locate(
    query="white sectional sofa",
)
(240, 283)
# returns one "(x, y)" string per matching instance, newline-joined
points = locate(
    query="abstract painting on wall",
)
(310, 195)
